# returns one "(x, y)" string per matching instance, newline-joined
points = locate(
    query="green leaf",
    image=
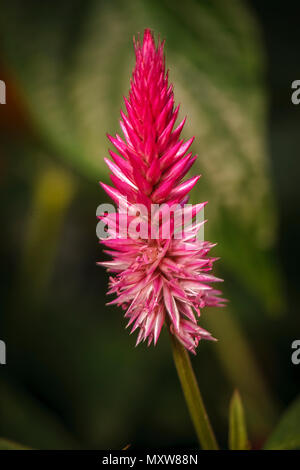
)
(73, 62)
(286, 435)
(5, 444)
(238, 439)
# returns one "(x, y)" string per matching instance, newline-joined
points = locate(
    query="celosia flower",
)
(157, 281)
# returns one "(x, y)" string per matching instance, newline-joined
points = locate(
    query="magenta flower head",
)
(157, 280)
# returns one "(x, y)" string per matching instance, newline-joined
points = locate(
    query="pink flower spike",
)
(157, 280)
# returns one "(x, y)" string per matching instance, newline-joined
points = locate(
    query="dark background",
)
(73, 378)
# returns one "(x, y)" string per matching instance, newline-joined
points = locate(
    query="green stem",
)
(193, 396)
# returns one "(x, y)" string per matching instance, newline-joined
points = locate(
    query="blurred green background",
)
(73, 378)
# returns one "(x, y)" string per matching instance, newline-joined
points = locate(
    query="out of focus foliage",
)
(73, 378)
(286, 435)
(237, 439)
(73, 61)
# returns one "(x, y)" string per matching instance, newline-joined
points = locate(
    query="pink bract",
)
(157, 281)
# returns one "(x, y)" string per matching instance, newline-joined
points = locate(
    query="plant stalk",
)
(193, 396)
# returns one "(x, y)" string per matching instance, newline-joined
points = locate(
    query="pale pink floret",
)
(157, 281)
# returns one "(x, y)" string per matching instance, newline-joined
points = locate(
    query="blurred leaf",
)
(5, 444)
(126, 447)
(73, 62)
(242, 369)
(286, 435)
(53, 192)
(238, 439)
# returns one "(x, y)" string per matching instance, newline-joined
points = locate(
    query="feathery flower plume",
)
(157, 281)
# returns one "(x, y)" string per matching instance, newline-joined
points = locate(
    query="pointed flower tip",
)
(148, 34)
(149, 37)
